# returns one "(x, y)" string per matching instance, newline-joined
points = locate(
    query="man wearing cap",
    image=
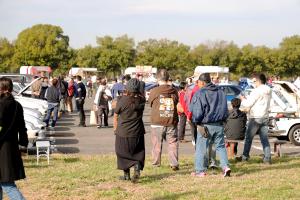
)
(164, 119)
(209, 111)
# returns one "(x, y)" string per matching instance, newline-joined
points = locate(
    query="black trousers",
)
(103, 111)
(181, 128)
(80, 103)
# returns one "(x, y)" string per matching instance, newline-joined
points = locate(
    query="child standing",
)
(235, 126)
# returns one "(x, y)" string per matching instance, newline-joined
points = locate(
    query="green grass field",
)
(96, 177)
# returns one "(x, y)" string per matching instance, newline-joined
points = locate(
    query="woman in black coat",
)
(130, 145)
(12, 134)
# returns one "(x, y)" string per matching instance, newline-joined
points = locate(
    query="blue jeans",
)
(54, 109)
(216, 136)
(211, 151)
(260, 126)
(11, 190)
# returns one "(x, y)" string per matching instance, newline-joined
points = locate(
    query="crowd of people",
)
(67, 96)
(61, 96)
(204, 106)
(199, 103)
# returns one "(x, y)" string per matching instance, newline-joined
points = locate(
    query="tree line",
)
(46, 45)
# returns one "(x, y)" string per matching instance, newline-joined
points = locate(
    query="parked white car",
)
(286, 122)
(32, 132)
(36, 104)
(33, 112)
(35, 121)
(34, 109)
(25, 101)
(287, 126)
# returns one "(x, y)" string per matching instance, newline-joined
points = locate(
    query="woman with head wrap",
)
(12, 134)
(130, 145)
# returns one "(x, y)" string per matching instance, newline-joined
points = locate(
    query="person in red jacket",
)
(190, 91)
(182, 115)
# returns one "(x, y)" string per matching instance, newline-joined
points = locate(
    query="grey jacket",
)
(52, 95)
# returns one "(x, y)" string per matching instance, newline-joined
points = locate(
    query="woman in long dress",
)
(130, 145)
(12, 134)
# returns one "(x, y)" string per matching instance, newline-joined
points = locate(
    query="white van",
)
(217, 73)
(148, 72)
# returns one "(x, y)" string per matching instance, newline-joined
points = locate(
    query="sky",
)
(259, 22)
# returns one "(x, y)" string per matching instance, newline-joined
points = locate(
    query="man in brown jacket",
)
(35, 88)
(164, 119)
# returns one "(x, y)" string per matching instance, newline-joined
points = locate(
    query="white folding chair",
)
(43, 149)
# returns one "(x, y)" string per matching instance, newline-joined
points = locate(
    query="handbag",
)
(93, 118)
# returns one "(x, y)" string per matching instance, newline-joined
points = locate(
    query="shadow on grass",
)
(71, 160)
(31, 161)
(68, 150)
(42, 165)
(60, 141)
(296, 153)
(256, 165)
(256, 160)
(174, 195)
(156, 177)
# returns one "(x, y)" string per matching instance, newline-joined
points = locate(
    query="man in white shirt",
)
(258, 104)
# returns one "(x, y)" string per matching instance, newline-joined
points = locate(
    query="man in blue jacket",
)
(209, 108)
(80, 97)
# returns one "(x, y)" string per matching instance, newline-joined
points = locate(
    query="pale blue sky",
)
(260, 22)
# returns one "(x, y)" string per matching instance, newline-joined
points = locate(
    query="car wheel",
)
(294, 135)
